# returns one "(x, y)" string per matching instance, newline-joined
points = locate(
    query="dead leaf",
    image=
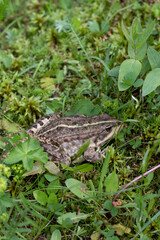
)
(120, 229)
(95, 236)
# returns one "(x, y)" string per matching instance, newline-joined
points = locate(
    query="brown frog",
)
(62, 137)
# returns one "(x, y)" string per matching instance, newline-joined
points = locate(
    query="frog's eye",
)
(108, 127)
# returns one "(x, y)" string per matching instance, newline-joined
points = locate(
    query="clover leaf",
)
(27, 152)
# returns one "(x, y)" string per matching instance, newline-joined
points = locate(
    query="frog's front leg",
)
(92, 154)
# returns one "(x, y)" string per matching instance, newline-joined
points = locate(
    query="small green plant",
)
(25, 149)
(131, 68)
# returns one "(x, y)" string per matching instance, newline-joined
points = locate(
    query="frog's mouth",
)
(113, 132)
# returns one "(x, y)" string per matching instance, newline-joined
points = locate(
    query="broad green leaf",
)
(145, 66)
(137, 54)
(149, 178)
(151, 205)
(52, 168)
(41, 197)
(8, 126)
(54, 106)
(53, 186)
(108, 205)
(114, 72)
(37, 169)
(136, 28)
(111, 182)
(5, 201)
(95, 236)
(78, 188)
(105, 26)
(126, 34)
(82, 149)
(14, 156)
(83, 168)
(59, 76)
(56, 235)
(138, 83)
(38, 155)
(142, 38)
(129, 71)
(75, 218)
(154, 58)
(49, 177)
(114, 211)
(121, 229)
(151, 82)
(27, 151)
(52, 199)
(94, 26)
(66, 167)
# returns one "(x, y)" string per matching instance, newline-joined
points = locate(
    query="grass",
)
(65, 57)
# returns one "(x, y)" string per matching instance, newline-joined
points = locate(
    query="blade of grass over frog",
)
(40, 63)
(147, 223)
(101, 61)
(83, 168)
(82, 149)
(27, 69)
(66, 167)
(104, 170)
(132, 120)
(134, 180)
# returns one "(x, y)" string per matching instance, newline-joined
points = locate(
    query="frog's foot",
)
(92, 155)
